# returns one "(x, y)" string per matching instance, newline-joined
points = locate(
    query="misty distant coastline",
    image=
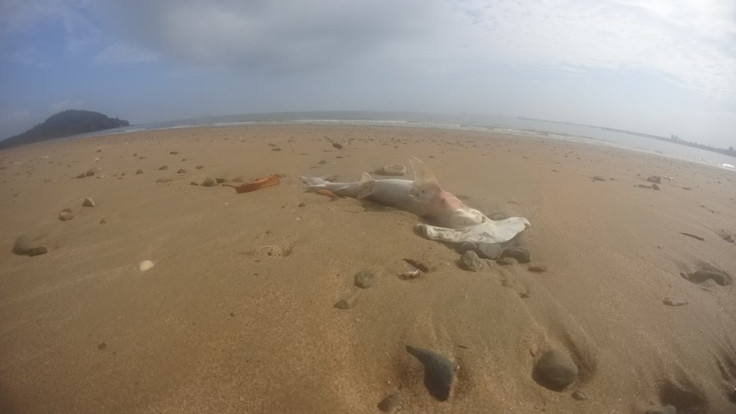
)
(673, 138)
(520, 126)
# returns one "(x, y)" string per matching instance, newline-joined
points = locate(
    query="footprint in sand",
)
(702, 276)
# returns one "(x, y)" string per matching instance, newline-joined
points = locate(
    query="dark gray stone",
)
(471, 261)
(489, 250)
(555, 370)
(439, 372)
(655, 187)
(365, 279)
(520, 254)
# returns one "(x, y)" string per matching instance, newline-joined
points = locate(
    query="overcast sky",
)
(656, 66)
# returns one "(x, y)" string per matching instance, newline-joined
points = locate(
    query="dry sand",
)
(219, 325)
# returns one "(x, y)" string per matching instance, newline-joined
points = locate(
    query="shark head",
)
(425, 185)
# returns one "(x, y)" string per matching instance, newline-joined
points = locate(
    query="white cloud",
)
(694, 46)
(282, 36)
(122, 53)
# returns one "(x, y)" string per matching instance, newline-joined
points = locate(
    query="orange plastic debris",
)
(256, 184)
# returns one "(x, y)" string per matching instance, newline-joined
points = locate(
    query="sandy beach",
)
(238, 312)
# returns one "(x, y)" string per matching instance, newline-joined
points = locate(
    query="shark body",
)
(449, 219)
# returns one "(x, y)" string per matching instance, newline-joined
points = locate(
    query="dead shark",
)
(449, 219)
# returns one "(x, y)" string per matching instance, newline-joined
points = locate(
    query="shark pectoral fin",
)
(424, 180)
(366, 186)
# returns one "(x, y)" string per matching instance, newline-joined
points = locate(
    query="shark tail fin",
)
(366, 186)
(424, 180)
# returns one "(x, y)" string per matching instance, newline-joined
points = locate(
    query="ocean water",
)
(516, 126)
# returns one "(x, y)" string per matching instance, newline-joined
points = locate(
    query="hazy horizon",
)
(655, 67)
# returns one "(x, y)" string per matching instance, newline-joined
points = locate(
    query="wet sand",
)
(238, 315)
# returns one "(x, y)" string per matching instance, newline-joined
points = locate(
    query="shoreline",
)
(422, 121)
(238, 312)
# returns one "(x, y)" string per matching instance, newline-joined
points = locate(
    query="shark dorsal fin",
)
(365, 188)
(424, 180)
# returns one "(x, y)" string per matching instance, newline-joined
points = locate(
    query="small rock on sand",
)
(220, 180)
(145, 265)
(163, 167)
(579, 395)
(655, 187)
(418, 265)
(90, 172)
(337, 145)
(66, 214)
(537, 268)
(598, 178)
(439, 372)
(88, 202)
(555, 370)
(345, 304)
(139, 171)
(655, 179)
(674, 302)
(391, 403)
(181, 171)
(395, 170)
(25, 246)
(209, 182)
(471, 261)
(365, 279)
